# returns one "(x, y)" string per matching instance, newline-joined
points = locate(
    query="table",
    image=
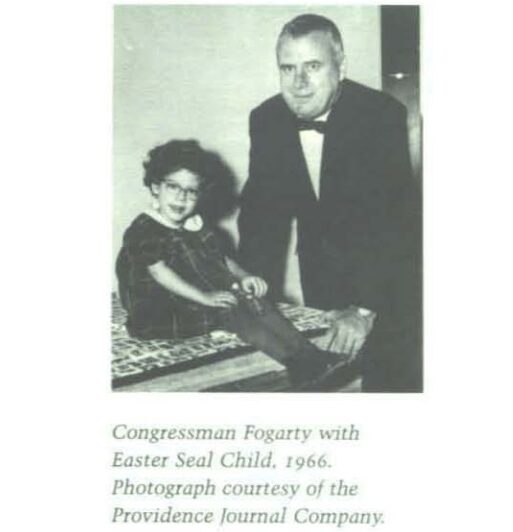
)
(211, 363)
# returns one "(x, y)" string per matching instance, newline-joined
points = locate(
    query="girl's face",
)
(177, 196)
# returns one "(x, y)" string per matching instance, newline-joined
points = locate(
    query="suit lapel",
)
(340, 128)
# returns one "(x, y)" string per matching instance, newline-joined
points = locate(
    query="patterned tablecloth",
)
(136, 360)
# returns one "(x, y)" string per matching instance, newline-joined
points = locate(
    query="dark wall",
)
(400, 45)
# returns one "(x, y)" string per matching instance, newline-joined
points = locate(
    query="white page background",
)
(433, 461)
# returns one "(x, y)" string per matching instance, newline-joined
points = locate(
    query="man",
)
(330, 157)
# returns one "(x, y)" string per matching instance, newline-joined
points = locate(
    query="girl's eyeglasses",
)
(189, 194)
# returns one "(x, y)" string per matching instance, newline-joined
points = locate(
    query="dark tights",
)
(269, 331)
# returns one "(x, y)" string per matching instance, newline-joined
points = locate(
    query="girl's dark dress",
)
(153, 311)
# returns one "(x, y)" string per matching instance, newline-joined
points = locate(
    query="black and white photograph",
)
(267, 201)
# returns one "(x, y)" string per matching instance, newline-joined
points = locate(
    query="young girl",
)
(175, 281)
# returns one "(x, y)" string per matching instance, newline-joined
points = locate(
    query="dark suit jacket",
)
(358, 243)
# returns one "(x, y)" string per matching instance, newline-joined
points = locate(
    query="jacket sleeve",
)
(251, 222)
(266, 202)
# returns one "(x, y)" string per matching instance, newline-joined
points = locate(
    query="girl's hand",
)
(221, 298)
(254, 285)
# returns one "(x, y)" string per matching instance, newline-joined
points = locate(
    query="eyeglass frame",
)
(190, 194)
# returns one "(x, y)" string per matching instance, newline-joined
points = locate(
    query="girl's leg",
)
(253, 330)
(274, 321)
(309, 368)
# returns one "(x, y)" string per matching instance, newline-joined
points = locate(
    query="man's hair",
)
(304, 24)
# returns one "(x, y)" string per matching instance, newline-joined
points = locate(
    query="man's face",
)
(309, 73)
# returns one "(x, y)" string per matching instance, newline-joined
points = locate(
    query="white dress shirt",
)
(311, 143)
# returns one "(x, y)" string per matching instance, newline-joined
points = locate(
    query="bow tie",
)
(316, 125)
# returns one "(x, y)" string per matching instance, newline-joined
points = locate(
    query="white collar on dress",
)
(193, 223)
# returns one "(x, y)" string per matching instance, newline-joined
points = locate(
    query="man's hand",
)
(348, 332)
(254, 285)
(221, 298)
